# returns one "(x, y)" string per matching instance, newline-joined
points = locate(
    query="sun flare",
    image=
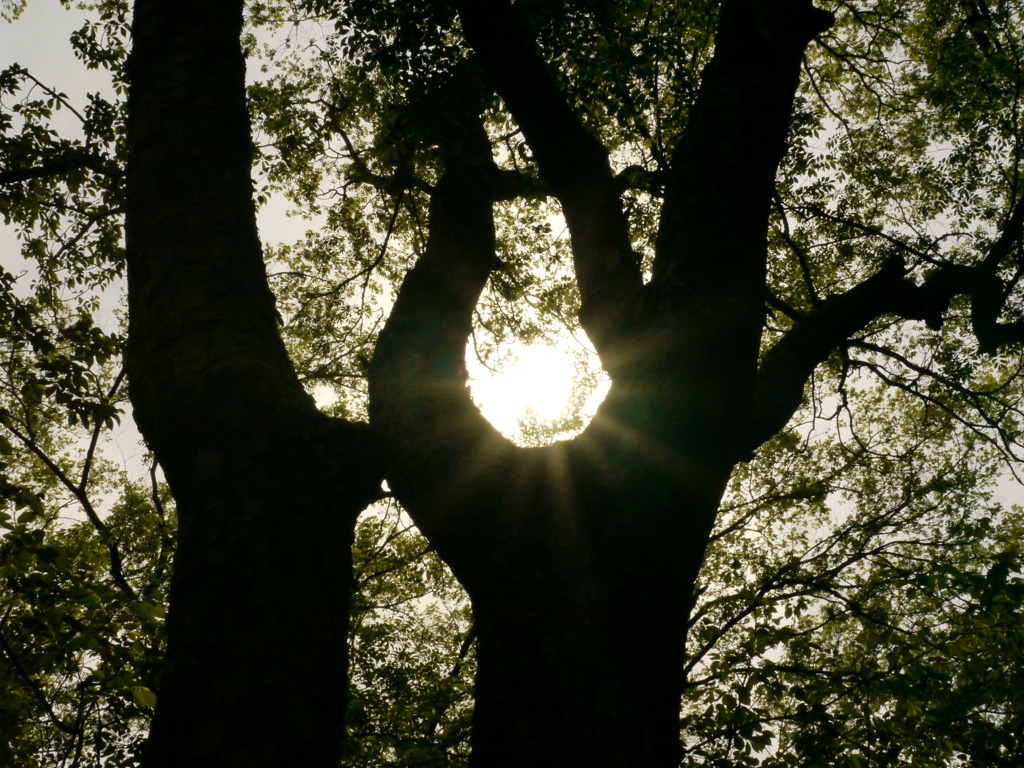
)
(537, 380)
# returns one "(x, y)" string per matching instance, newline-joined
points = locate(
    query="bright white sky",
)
(38, 40)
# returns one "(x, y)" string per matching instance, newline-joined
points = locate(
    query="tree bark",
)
(267, 488)
(583, 605)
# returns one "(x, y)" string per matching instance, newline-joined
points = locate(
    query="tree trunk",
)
(582, 610)
(565, 684)
(580, 557)
(267, 488)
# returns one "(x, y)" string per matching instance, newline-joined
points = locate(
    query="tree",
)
(582, 557)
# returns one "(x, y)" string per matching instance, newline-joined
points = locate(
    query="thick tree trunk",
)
(267, 488)
(559, 685)
(582, 610)
(580, 558)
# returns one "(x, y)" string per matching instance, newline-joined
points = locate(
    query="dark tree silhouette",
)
(581, 557)
(268, 489)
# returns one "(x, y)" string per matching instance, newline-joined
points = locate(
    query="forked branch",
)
(573, 163)
(788, 365)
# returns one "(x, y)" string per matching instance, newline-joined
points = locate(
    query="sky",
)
(38, 41)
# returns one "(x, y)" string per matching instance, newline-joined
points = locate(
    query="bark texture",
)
(267, 488)
(581, 557)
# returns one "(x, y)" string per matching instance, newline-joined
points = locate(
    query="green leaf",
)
(143, 696)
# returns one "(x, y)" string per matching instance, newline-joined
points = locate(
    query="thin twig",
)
(31, 684)
(116, 571)
(58, 96)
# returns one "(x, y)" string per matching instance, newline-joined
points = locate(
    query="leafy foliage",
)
(847, 588)
(410, 645)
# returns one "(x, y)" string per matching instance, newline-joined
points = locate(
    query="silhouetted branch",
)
(789, 364)
(572, 161)
(59, 165)
(722, 178)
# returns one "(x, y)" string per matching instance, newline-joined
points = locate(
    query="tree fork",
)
(580, 557)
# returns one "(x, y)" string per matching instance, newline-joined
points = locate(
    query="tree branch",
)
(711, 253)
(868, 230)
(1009, 237)
(97, 427)
(57, 95)
(797, 249)
(722, 179)
(80, 494)
(572, 161)
(789, 364)
(418, 378)
(73, 161)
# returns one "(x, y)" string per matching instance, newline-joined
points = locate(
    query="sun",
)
(537, 380)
